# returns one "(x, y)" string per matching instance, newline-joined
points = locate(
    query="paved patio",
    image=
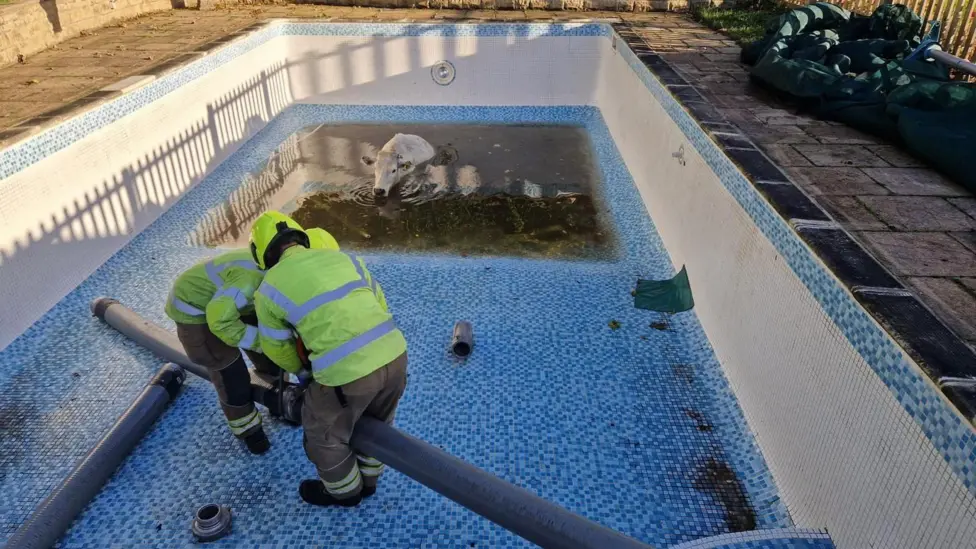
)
(919, 225)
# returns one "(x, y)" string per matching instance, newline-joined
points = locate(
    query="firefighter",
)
(357, 357)
(212, 304)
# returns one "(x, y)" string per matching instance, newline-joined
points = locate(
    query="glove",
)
(304, 377)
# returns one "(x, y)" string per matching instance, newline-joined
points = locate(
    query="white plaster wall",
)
(489, 70)
(62, 217)
(844, 453)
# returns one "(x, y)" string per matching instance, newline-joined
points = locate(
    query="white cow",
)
(397, 159)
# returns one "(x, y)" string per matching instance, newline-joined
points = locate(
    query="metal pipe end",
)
(463, 340)
(211, 522)
(101, 304)
(170, 377)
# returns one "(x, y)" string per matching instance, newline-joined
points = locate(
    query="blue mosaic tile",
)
(944, 427)
(786, 538)
(598, 423)
(481, 30)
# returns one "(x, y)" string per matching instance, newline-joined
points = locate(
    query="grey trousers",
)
(229, 375)
(329, 424)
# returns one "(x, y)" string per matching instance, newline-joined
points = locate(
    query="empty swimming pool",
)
(770, 412)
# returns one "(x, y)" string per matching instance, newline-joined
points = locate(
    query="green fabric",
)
(853, 69)
(666, 296)
(196, 288)
(303, 274)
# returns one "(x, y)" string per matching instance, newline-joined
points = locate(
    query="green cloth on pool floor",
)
(665, 296)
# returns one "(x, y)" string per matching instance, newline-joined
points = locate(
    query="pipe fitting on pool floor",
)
(211, 522)
(463, 341)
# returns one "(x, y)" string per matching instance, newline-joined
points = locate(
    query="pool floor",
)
(634, 427)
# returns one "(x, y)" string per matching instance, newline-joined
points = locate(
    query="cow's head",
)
(388, 168)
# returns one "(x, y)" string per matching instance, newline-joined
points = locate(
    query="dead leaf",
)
(32, 82)
(614, 325)
(21, 58)
(148, 58)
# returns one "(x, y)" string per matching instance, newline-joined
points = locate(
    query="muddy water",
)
(498, 190)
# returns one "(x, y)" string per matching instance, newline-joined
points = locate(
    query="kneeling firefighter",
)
(357, 355)
(212, 304)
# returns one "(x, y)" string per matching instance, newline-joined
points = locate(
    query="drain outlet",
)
(211, 522)
(443, 73)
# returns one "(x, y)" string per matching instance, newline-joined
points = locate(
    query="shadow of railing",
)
(86, 232)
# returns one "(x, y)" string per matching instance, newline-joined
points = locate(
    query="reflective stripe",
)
(186, 308)
(250, 339)
(346, 485)
(279, 334)
(369, 471)
(240, 426)
(214, 270)
(366, 460)
(370, 467)
(353, 345)
(295, 312)
(359, 266)
(372, 286)
(240, 300)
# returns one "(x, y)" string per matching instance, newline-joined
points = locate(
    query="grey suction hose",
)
(511, 507)
(283, 403)
(51, 519)
(514, 508)
(145, 333)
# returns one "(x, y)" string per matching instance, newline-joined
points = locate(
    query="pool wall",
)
(859, 441)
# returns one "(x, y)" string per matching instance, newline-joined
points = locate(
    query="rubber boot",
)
(257, 442)
(312, 491)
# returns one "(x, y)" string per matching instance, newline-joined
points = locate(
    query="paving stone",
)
(851, 213)
(840, 155)
(896, 157)
(785, 155)
(835, 181)
(842, 135)
(967, 239)
(779, 117)
(952, 303)
(918, 213)
(921, 254)
(774, 134)
(915, 181)
(969, 283)
(967, 205)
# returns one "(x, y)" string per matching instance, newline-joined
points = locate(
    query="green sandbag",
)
(665, 296)
(815, 17)
(947, 139)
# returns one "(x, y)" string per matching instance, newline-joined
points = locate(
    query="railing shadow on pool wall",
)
(89, 206)
(104, 217)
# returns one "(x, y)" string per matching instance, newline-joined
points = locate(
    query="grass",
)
(744, 25)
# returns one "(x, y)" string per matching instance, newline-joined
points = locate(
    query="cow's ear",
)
(368, 161)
